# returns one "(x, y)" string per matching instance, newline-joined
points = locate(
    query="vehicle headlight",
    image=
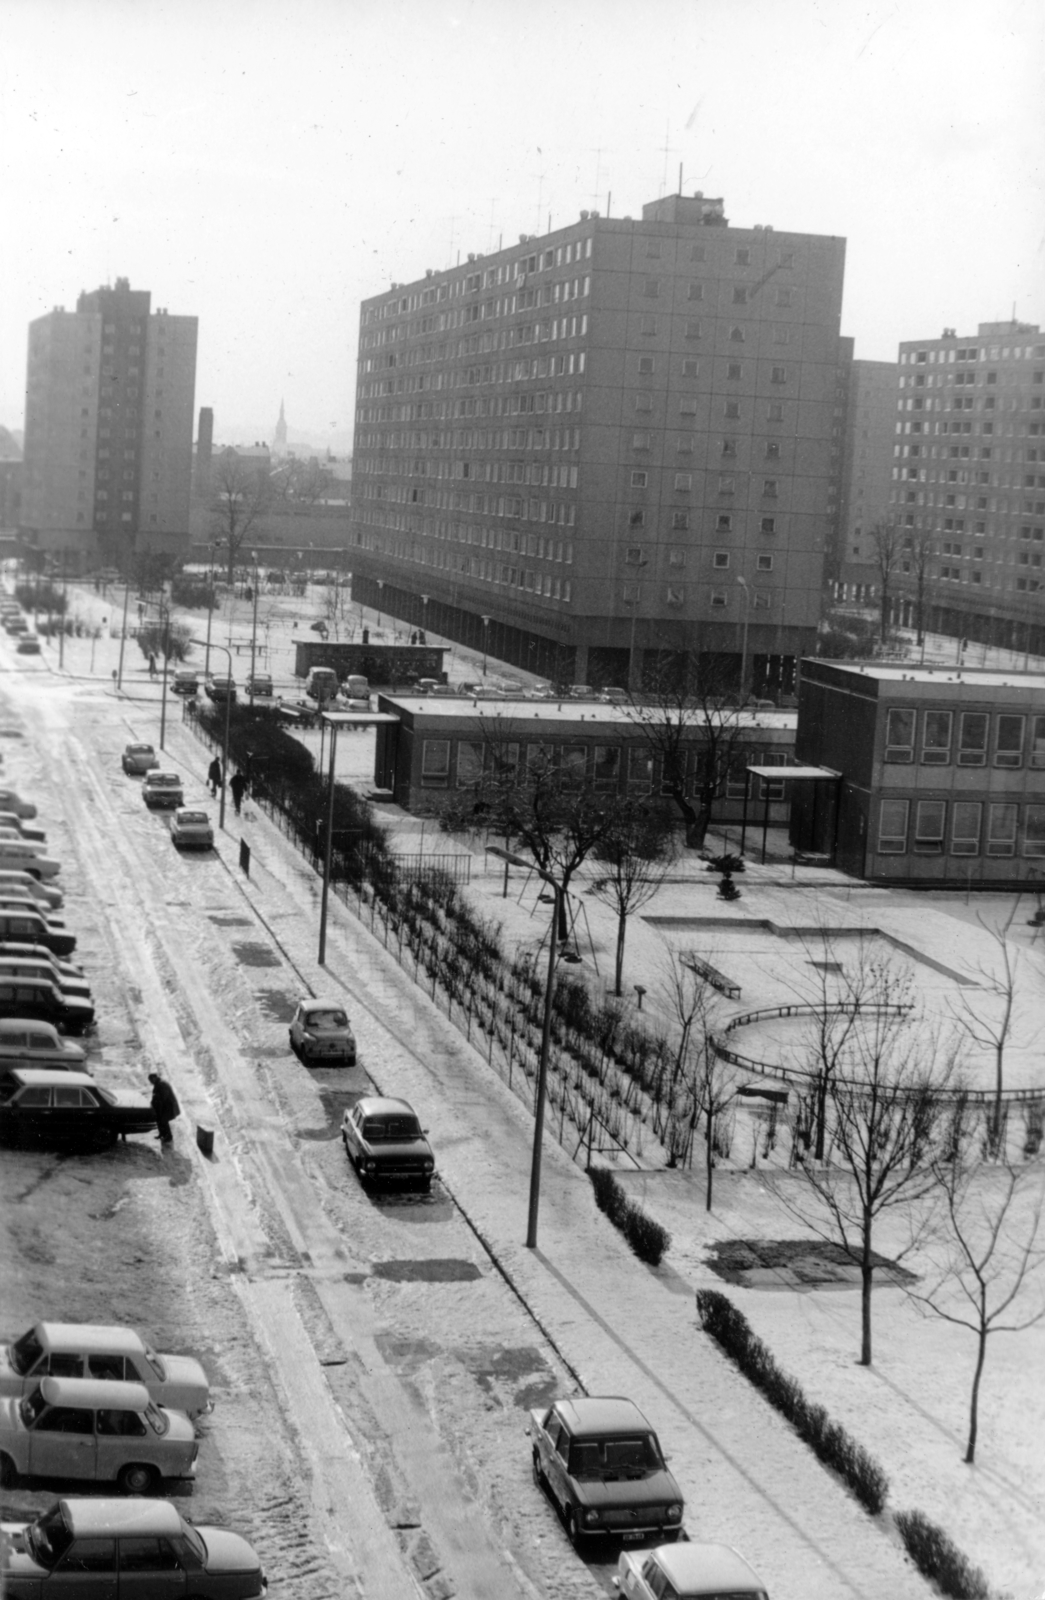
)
(371, 1164)
(309, 1038)
(674, 1513)
(429, 1166)
(589, 1516)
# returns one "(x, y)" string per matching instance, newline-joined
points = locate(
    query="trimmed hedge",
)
(829, 1442)
(646, 1237)
(937, 1557)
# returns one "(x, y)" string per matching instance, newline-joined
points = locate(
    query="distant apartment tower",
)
(867, 478)
(607, 445)
(108, 434)
(969, 478)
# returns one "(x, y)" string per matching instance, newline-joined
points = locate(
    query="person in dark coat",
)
(238, 786)
(165, 1106)
(214, 776)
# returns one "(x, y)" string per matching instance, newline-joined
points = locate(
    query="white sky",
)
(267, 164)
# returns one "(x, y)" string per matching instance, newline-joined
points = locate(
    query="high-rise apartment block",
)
(969, 481)
(607, 445)
(867, 478)
(108, 431)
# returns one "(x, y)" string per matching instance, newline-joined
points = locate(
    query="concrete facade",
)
(867, 478)
(611, 442)
(108, 437)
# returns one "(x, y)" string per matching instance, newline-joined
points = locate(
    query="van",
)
(110, 1354)
(29, 927)
(321, 683)
(37, 1044)
(22, 856)
(26, 998)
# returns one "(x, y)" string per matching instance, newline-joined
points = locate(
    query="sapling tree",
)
(711, 1082)
(991, 1027)
(887, 544)
(633, 858)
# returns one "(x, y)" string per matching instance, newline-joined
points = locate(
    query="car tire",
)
(137, 1478)
(8, 1472)
(538, 1472)
(571, 1526)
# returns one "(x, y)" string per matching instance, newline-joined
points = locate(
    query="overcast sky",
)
(267, 164)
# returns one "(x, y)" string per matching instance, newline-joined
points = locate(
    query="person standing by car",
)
(165, 1106)
(238, 786)
(214, 776)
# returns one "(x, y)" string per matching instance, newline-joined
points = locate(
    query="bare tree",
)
(887, 543)
(692, 709)
(301, 483)
(991, 1257)
(995, 1032)
(919, 554)
(241, 494)
(884, 1107)
(711, 1082)
(634, 855)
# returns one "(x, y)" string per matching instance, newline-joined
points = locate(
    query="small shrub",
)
(646, 1237)
(727, 890)
(937, 1557)
(727, 864)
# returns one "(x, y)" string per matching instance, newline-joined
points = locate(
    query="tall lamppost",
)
(123, 631)
(61, 619)
(165, 619)
(254, 626)
(486, 639)
(380, 598)
(424, 616)
(228, 720)
(334, 720)
(743, 650)
(546, 1033)
(210, 606)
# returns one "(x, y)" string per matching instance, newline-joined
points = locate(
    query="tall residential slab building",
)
(969, 482)
(108, 432)
(867, 478)
(607, 445)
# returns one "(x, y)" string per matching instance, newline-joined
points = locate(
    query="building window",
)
(651, 288)
(649, 325)
(778, 375)
(736, 335)
(972, 740)
(677, 554)
(929, 826)
(769, 488)
(739, 296)
(636, 519)
(892, 827)
(1034, 831)
(690, 369)
(640, 441)
(1008, 744)
(643, 402)
(899, 735)
(676, 594)
(1001, 835)
(721, 558)
(692, 330)
(573, 763)
(775, 413)
(680, 524)
(653, 249)
(639, 480)
(640, 770)
(743, 257)
(606, 765)
(688, 406)
(646, 366)
(718, 598)
(765, 563)
(633, 556)
(936, 738)
(727, 483)
(735, 369)
(767, 525)
(1037, 742)
(965, 828)
(683, 480)
(724, 522)
(695, 291)
(772, 451)
(435, 762)
(783, 297)
(731, 409)
(469, 763)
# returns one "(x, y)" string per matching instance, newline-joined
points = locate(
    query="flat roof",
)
(794, 772)
(901, 671)
(447, 708)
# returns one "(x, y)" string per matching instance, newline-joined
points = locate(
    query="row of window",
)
(923, 827)
(994, 352)
(1017, 739)
(603, 765)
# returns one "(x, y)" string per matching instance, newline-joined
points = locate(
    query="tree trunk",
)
(697, 824)
(622, 928)
(709, 1120)
(885, 610)
(866, 1284)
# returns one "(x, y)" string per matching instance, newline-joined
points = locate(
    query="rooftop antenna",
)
(598, 175)
(666, 147)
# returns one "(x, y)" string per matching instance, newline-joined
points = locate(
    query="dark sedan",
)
(49, 1109)
(385, 1143)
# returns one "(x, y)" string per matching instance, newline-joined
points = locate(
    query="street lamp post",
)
(228, 720)
(123, 631)
(743, 649)
(254, 627)
(380, 598)
(61, 619)
(165, 618)
(486, 641)
(424, 616)
(334, 720)
(546, 1033)
(210, 607)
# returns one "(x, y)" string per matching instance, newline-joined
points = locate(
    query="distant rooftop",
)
(899, 672)
(557, 711)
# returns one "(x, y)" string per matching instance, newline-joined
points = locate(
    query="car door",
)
(354, 1132)
(87, 1571)
(557, 1457)
(77, 1115)
(61, 1443)
(119, 1440)
(150, 1570)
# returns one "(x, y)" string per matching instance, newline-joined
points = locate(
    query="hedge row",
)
(646, 1237)
(937, 1557)
(834, 1447)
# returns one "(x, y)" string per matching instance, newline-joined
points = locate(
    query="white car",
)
(112, 1354)
(162, 789)
(687, 1572)
(320, 1032)
(191, 830)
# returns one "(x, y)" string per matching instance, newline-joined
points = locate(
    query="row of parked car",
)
(16, 626)
(190, 826)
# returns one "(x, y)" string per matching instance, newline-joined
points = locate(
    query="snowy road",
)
(374, 1359)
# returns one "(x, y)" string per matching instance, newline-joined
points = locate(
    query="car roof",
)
(10, 1025)
(41, 1077)
(191, 814)
(109, 1515)
(319, 1003)
(374, 1105)
(103, 1393)
(162, 777)
(88, 1336)
(599, 1414)
(707, 1568)
(131, 749)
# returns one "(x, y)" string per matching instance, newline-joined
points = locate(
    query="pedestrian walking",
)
(165, 1107)
(238, 787)
(214, 776)
(152, 665)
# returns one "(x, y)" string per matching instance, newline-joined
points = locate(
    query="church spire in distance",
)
(279, 438)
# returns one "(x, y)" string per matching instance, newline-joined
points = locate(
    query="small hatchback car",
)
(385, 1143)
(259, 683)
(162, 789)
(92, 1350)
(687, 1572)
(191, 830)
(85, 1428)
(139, 758)
(83, 1549)
(602, 1464)
(321, 1033)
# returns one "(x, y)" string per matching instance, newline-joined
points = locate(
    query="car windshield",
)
(32, 1405)
(158, 1420)
(378, 1128)
(195, 1542)
(631, 1457)
(325, 1020)
(26, 1352)
(139, 750)
(155, 1363)
(48, 1537)
(192, 819)
(164, 780)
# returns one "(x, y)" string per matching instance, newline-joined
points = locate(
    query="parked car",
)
(687, 1572)
(601, 1463)
(42, 966)
(15, 623)
(85, 1428)
(191, 830)
(28, 645)
(185, 682)
(25, 1042)
(139, 758)
(11, 800)
(114, 1354)
(21, 855)
(27, 926)
(47, 897)
(220, 688)
(66, 971)
(87, 1548)
(13, 896)
(259, 683)
(320, 1032)
(162, 789)
(57, 1109)
(613, 697)
(321, 684)
(385, 1142)
(40, 999)
(446, 691)
(581, 691)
